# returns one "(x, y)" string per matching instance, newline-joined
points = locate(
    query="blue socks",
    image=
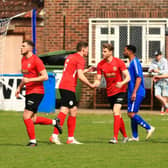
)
(134, 128)
(139, 120)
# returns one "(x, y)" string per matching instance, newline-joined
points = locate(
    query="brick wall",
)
(77, 13)
(86, 98)
(22, 25)
(24, 28)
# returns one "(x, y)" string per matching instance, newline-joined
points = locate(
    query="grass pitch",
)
(94, 131)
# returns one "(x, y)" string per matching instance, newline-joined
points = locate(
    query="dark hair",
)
(157, 52)
(29, 42)
(131, 48)
(80, 45)
(108, 46)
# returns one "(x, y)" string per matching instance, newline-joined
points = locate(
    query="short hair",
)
(29, 42)
(131, 48)
(157, 52)
(81, 45)
(108, 46)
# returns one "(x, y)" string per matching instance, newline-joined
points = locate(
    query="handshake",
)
(97, 80)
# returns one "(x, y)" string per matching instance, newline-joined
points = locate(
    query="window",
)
(104, 30)
(154, 31)
(153, 46)
(147, 35)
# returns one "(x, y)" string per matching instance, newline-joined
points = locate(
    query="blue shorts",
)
(133, 106)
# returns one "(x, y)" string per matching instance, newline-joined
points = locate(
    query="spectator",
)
(159, 66)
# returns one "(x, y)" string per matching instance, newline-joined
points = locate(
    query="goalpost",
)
(4, 24)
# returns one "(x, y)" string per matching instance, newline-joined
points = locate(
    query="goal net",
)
(7, 81)
(4, 24)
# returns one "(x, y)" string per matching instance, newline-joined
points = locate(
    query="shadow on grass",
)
(8, 144)
(158, 141)
(44, 142)
(24, 145)
(84, 142)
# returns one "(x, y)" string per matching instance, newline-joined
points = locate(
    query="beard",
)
(125, 56)
(24, 53)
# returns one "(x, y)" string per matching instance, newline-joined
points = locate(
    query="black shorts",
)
(68, 98)
(32, 102)
(119, 98)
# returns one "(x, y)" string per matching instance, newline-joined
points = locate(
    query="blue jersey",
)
(135, 71)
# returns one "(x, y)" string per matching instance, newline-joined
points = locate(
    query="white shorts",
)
(161, 89)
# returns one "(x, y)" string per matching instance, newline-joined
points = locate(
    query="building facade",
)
(63, 23)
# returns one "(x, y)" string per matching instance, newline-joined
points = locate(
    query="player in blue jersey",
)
(136, 93)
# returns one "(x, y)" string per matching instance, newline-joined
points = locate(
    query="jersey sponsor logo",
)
(30, 102)
(25, 71)
(110, 75)
(120, 99)
(28, 65)
(71, 102)
(114, 68)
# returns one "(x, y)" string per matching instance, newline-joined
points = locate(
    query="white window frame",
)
(103, 37)
(145, 23)
(154, 37)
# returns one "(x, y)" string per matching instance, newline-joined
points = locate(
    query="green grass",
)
(94, 131)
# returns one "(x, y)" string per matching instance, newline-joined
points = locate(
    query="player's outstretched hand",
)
(156, 78)
(133, 97)
(17, 92)
(92, 86)
(90, 69)
(26, 80)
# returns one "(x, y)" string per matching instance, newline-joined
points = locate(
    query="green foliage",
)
(94, 131)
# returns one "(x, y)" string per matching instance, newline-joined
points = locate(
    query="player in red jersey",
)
(34, 73)
(116, 76)
(73, 69)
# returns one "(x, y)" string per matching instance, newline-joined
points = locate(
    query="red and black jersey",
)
(73, 63)
(112, 72)
(31, 67)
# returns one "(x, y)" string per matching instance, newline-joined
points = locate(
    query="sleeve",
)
(39, 65)
(122, 65)
(81, 64)
(164, 68)
(152, 66)
(138, 69)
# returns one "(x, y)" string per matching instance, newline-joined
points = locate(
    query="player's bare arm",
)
(90, 69)
(83, 78)
(156, 70)
(157, 77)
(97, 80)
(19, 88)
(126, 79)
(42, 77)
